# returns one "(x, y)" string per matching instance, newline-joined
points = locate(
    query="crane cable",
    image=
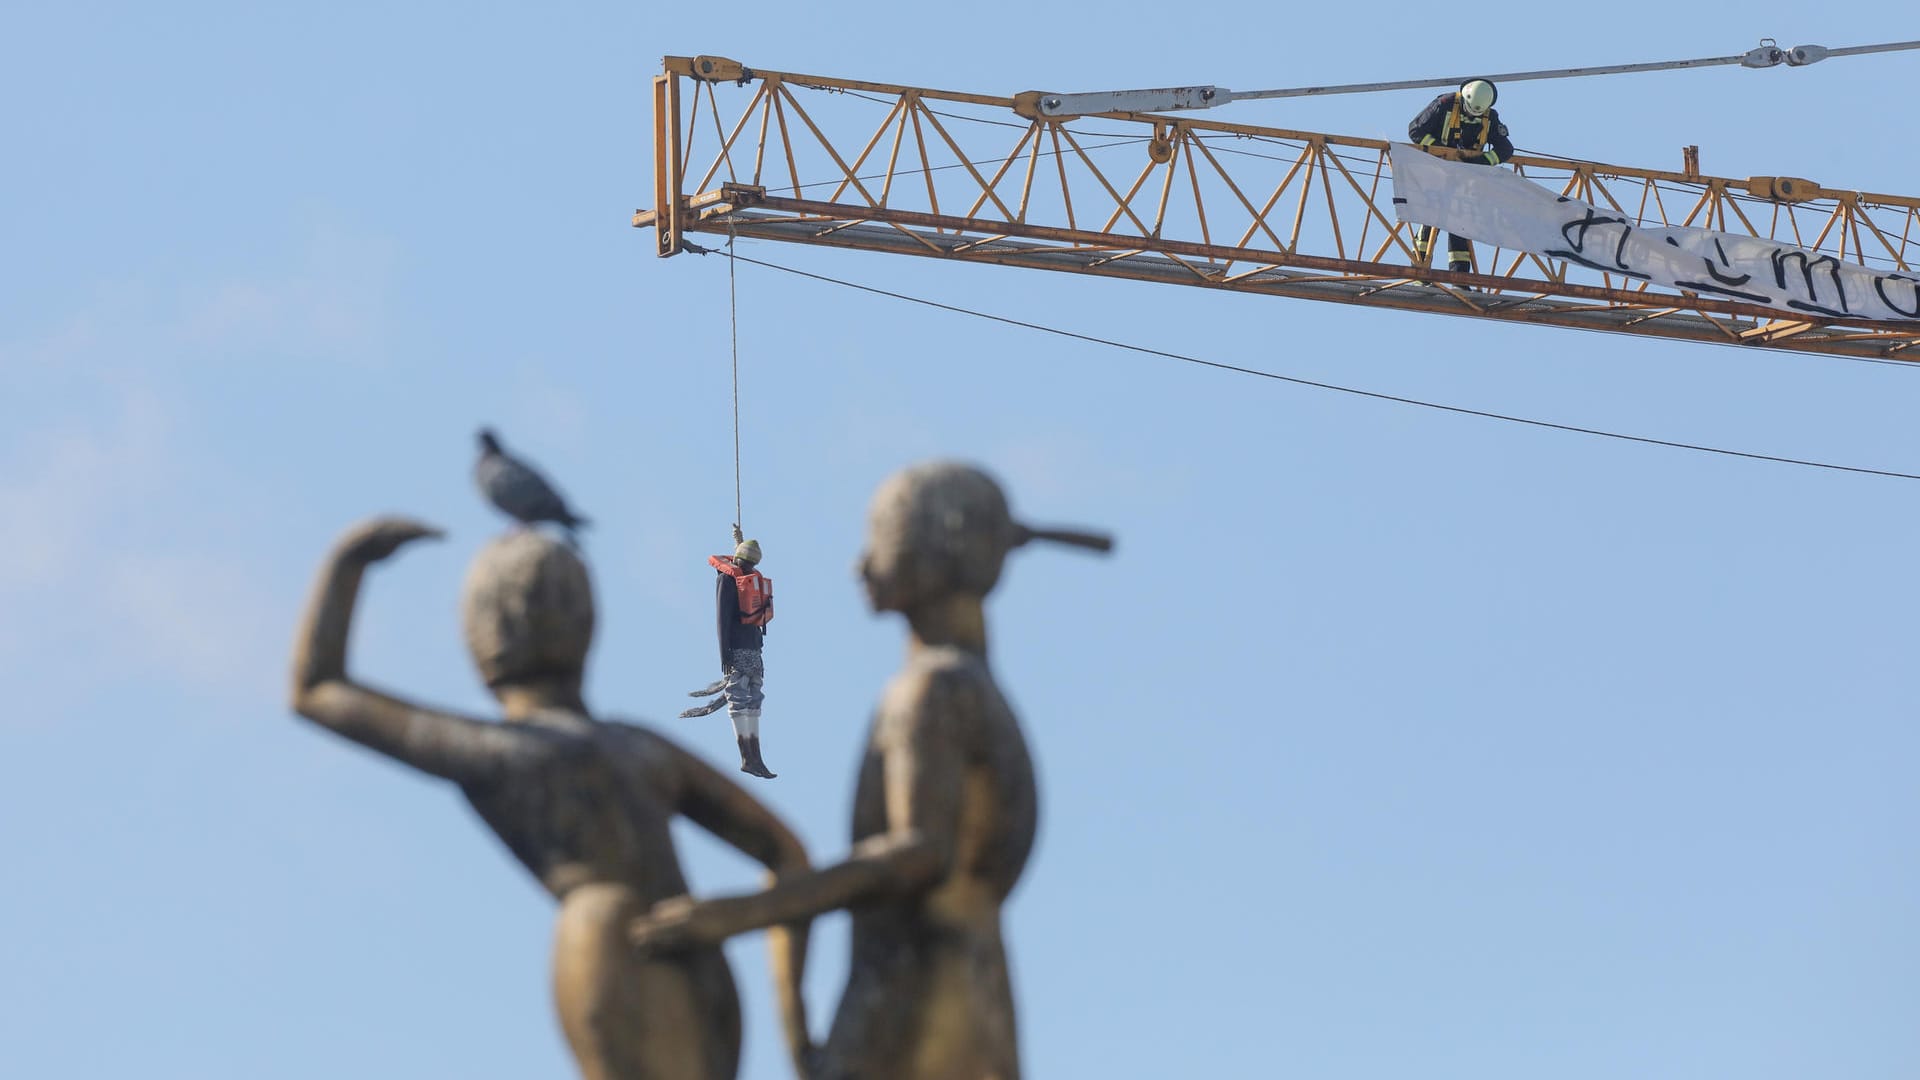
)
(1181, 98)
(733, 318)
(1766, 54)
(1294, 379)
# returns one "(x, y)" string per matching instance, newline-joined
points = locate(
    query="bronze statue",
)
(583, 804)
(944, 813)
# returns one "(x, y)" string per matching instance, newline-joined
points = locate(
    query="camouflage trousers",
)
(741, 692)
(745, 689)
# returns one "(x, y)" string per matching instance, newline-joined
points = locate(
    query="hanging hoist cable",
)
(733, 319)
(1175, 99)
(744, 594)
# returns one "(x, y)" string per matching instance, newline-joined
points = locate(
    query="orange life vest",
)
(754, 589)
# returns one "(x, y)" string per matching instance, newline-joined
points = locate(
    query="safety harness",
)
(1455, 121)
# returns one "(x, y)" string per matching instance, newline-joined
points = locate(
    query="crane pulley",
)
(1050, 105)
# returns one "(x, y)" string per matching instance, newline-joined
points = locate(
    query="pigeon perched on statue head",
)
(518, 491)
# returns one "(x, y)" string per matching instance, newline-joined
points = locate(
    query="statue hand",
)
(378, 539)
(679, 922)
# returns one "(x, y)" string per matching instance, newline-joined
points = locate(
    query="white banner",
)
(1498, 207)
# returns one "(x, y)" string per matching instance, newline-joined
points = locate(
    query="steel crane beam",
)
(940, 174)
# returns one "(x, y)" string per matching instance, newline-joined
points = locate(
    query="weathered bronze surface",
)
(944, 811)
(583, 804)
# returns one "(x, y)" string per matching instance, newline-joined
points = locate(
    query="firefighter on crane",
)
(744, 599)
(1466, 123)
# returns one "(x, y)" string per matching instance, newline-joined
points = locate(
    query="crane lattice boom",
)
(979, 178)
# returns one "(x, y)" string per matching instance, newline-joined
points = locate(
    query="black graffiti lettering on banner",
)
(1576, 257)
(1590, 219)
(1913, 293)
(1801, 305)
(1807, 266)
(1705, 287)
(1724, 279)
(1722, 283)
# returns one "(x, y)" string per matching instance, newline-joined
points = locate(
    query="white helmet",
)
(1477, 96)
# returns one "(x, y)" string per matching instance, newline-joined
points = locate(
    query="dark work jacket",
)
(734, 634)
(1484, 132)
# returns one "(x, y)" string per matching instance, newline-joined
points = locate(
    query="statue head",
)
(942, 528)
(934, 529)
(527, 609)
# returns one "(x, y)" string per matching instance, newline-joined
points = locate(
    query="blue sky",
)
(1389, 743)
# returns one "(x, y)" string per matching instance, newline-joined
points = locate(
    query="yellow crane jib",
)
(860, 165)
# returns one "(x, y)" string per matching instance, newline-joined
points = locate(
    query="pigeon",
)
(513, 487)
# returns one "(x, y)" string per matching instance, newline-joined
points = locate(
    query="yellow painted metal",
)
(1786, 189)
(726, 144)
(718, 69)
(1256, 183)
(667, 168)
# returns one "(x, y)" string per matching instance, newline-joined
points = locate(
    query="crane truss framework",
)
(970, 177)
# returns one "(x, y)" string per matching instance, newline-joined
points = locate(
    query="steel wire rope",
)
(1318, 385)
(733, 318)
(1178, 99)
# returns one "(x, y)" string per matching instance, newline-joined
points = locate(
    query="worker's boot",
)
(1422, 258)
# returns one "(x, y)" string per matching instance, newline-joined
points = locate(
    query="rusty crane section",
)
(966, 177)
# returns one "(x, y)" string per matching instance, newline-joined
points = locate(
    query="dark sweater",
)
(734, 634)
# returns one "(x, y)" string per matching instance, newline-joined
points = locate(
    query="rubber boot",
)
(759, 763)
(746, 755)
